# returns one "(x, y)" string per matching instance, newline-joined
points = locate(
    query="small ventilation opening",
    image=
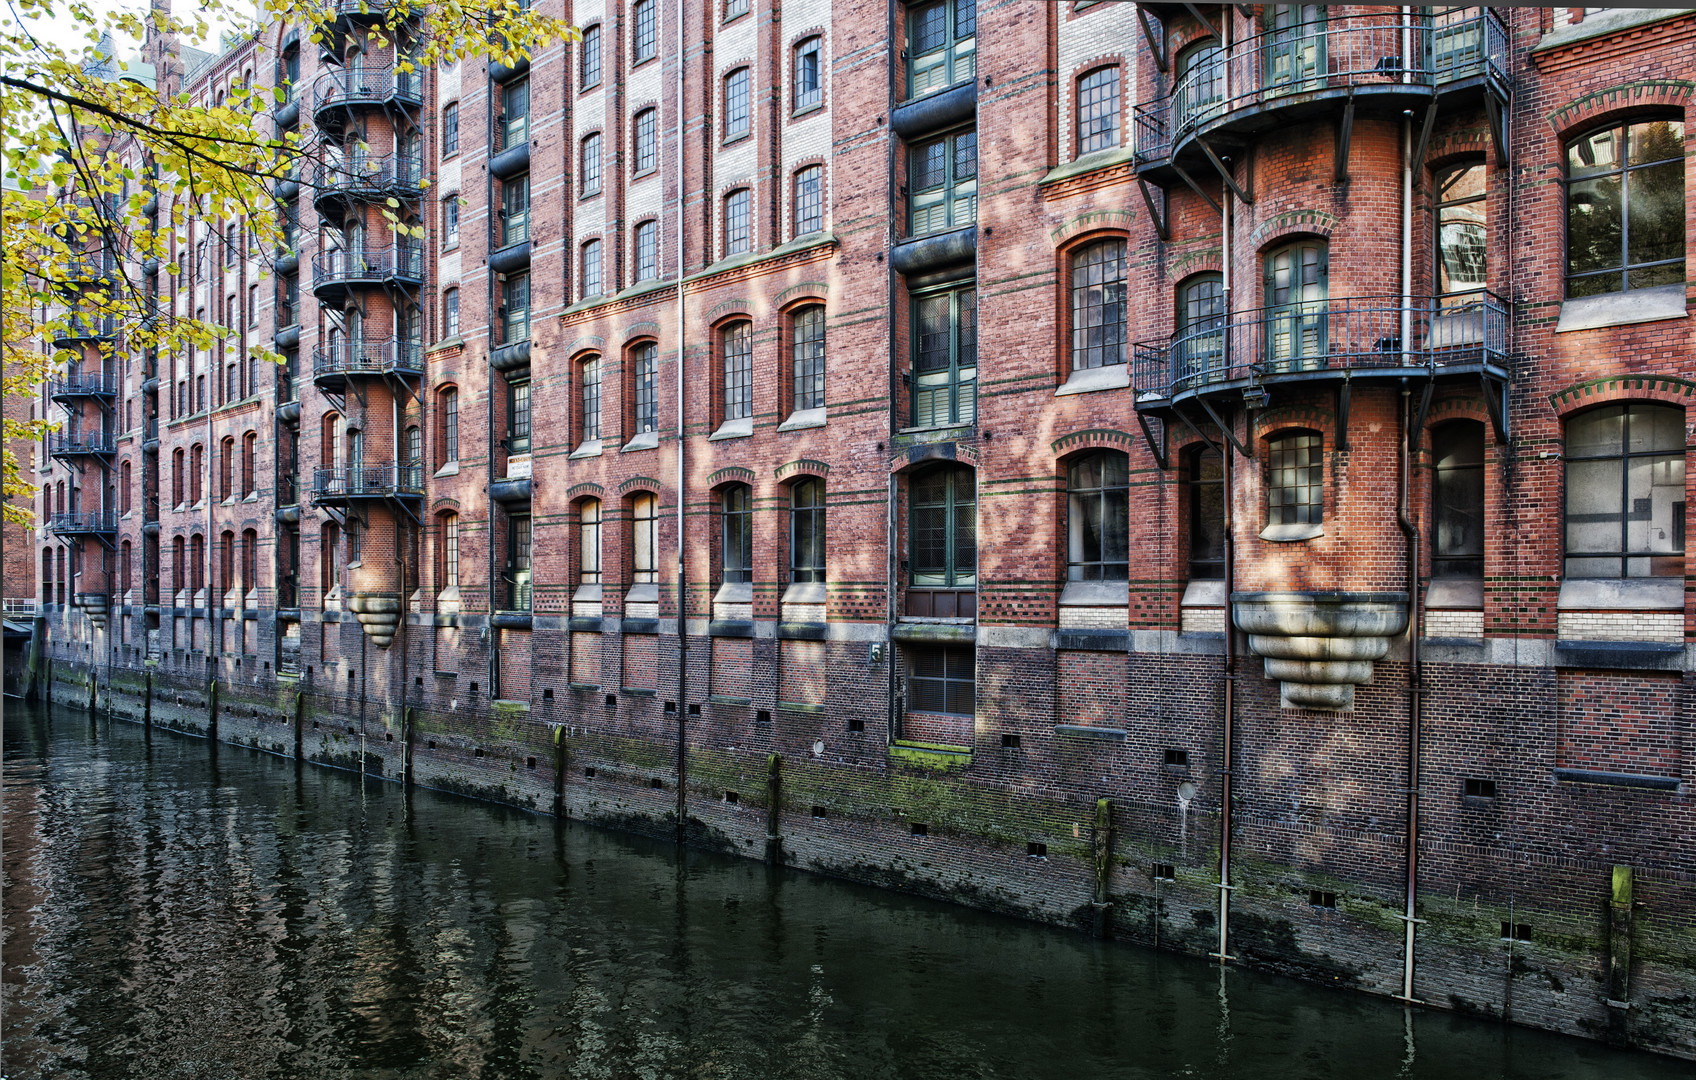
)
(529, 763)
(432, 743)
(1035, 850)
(1011, 742)
(670, 707)
(1322, 899)
(695, 709)
(589, 771)
(473, 689)
(1477, 788)
(656, 783)
(388, 736)
(1516, 931)
(730, 797)
(818, 811)
(315, 726)
(478, 751)
(612, 701)
(763, 716)
(418, 680)
(856, 725)
(1178, 757)
(548, 694)
(1164, 872)
(920, 829)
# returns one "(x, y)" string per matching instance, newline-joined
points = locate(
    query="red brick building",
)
(953, 379)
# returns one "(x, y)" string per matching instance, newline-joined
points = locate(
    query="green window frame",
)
(941, 45)
(942, 549)
(945, 357)
(942, 183)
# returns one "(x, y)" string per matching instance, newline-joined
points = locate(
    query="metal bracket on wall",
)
(1159, 217)
(1419, 421)
(1345, 133)
(1195, 187)
(1204, 21)
(1226, 428)
(1496, 404)
(1498, 127)
(1157, 447)
(1343, 414)
(1246, 194)
(1424, 137)
(1156, 38)
(1211, 445)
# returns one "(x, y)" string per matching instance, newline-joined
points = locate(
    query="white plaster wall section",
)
(1100, 32)
(645, 197)
(806, 139)
(447, 83)
(733, 49)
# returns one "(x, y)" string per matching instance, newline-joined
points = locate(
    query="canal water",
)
(175, 909)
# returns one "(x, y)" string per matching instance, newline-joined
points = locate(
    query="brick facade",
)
(974, 668)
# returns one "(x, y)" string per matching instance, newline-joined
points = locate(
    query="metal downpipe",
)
(682, 585)
(1414, 679)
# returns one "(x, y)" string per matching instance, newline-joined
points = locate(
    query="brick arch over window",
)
(1449, 409)
(1291, 223)
(1457, 146)
(1616, 102)
(1667, 389)
(1194, 262)
(1273, 422)
(1088, 439)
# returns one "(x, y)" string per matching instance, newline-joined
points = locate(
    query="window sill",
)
(807, 110)
(741, 428)
(1204, 593)
(1622, 309)
(1455, 594)
(1294, 531)
(802, 419)
(642, 174)
(1113, 594)
(1602, 24)
(643, 594)
(596, 85)
(1101, 159)
(732, 140)
(735, 592)
(805, 592)
(648, 440)
(1621, 594)
(252, 497)
(590, 448)
(448, 249)
(450, 469)
(587, 195)
(1087, 380)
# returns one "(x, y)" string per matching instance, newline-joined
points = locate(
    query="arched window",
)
(197, 563)
(331, 445)
(591, 271)
(1204, 475)
(807, 356)
(590, 57)
(1457, 500)
(809, 200)
(179, 566)
(1098, 305)
(736, 511)
(179, 472)
(644, 540)
(1198, 85)
(589, 542)
(226, 562)
(647, 251)
(124, 568)
(450, 130)
(809, 76)
(644, 38)
(448, 397)
(1098, 110)
(1625, 208)
(736, 343)
(1199, 349)
(124, 492)
(450, 312)
(736, 103)
(1625, 505)
(249, 560)
(942, 528)
(249, 448)
(1463, 230)
(329, 538)
(1297, 288)
(590, 169)
(447, 570)
(1098, 517)
(589, 379)
(647, 141)
(1295, 479)
(737, 224)
(806, 530)
(226, 467)
(644, 387)
(197, 469)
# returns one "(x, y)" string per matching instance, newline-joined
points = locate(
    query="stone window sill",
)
(450, 469)
(1627, 594)
(740, 428)
(1085, 380)
(1292, 532)
(1622, 309)
(590, 448)
(801, 419)
(648, 440)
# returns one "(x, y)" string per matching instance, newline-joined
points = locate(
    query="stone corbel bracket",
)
(1320, 645)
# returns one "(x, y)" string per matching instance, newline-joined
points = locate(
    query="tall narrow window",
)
(514, 122)
(941, 45)
(515, 210)
(412, 459)
(646, 357)
(590, 379)
(252, 306)
(249, 560)
(1199, 348)
(1098, 305)
(1625, 505)
(737, 513)
(591, 56)
(450, 221)
(736, 103)
(942, 537)
(589, 542)
(197, 563)
(518, 563)
(124, 488)
(450, 313)
(450, 426)
(1625, 208)
(1457, 500)
(249, 448)
(1098, 110)
(449, 571)
(736, 342)
(1205, 478)
(590, 170)
(644, 540)
(736, 223)
(1296, 292)
(806, 531)
(518, 411)
(1199, 82)
(227, 562)
(1294, 50)
(1295, 475)
(591, 284)
(515, 308)
(809, 81)
(647, 141)
(942, 178)
(647, 251)
(945, 367)
(809, 200)
(807, 347)
(124, 585)
(179, 566)
(179, 472)
(645, 38)
(197, 469)
(329, 539)
(1463, 231)
(1098, 517)
(450, 130)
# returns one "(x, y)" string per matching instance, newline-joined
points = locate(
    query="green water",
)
(174, 909)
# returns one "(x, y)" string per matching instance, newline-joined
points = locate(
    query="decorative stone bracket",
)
(378, 613)
(97, 606)
(1320, 645)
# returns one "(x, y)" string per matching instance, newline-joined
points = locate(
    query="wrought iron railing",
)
(83, 442)
(83, 384)
(330, 482)
(1339, 335)
(88, 328)
(394, 262)
(1336, 53)
(94, 521)
(373, 357)
(370, 176)
(368, 85)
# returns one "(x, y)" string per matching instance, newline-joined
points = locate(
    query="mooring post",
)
(93, 690)
(407, 723)
(1103, 860)
(147, 704)
(559, 772)
(774, 810)
(1620, 919)
(212, 711)
(299, 719)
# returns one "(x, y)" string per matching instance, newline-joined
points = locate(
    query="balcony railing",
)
(1316, 338)
(78, 443)
(81, 385)
(368, 86)
(338, 483)
(370, 177)
(75, 524)
(374, 357)
(85, 328)
(515, 590)
(396, 262)
(1357, 51)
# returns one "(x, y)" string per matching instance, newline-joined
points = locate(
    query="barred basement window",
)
(646, 358)
(1322, 899)
(737, 344)
(808, 357)
(806, 531)
(945, 368)
(1625, 505)
(1098, 110)
(737, 512)
(1294, 490)
(1476, 788)
(942, 178)
(1163, 872)
(1098, 305)
(1625, 208)
(941, 680)
(1098, 521)
(736, 103)
(809, 200)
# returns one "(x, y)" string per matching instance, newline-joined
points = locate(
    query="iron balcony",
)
(1335, 339)
(73, 445)
(344, 485)
(366, 178)
(94, 523)
(332, 366)
(338, 92)
(80, 386)
(82, 330)
(397, 265)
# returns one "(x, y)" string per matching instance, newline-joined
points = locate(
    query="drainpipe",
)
(682, 443)
(897, 394)
(1411, 534)
(1225, 760)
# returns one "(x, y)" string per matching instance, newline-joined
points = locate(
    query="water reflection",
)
(172, 910)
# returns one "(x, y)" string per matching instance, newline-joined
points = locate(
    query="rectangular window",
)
(808, 357)
(1457, 500)
(1295, 474)
(809, 83)
(450, 427)
(941, 45)
(643, 396)
(735, 8)
(647, 145)
(589, 543)
(450, 131)
(1463, 231)
(647, 251)
(450, 222)
(942, 529)
(518, 418)
(644, 540)
(737, 541)
(942, 179)
(941, 680)
(450, 551)
(736, 103)
(591, 57)
(1625, 502)
(738, 347)
(591, 168)
(945, 369)
(514, 121)
(450, 313)
(736, 231)
(809, 200)
(646, 36)
(515, 210)
(1625, 208)
(1098, 110)
(517, 576)
(515, 308)
(806, 531)
(591, 377)
(591, 284)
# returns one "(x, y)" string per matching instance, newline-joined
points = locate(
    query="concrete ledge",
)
(510, 620)
(742, 628)
(585, 624)
(1621, 594)
(1620, 655)
(1202, 592)
(1093, 640)
(1453, 651)
(801, 419)
(801, 707)
(1622, 309)
(934, 112)
(1292, 532)
(802, 631)
(1604, 23)
(1100, 734)
(1613, 779)
(640, 626)
(801, 592)
(1455, 594)
(1110, 377)
(942, 633)
(1113, 594)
